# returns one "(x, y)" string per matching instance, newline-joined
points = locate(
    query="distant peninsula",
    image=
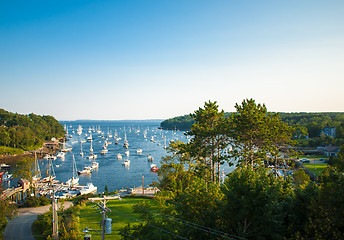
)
(20, 133)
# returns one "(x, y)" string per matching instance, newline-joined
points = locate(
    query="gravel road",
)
(19, 228)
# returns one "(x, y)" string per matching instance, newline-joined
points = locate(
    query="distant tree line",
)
(27, 131)
(307, 126)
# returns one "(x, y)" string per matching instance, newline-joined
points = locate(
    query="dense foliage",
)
(68, 224)
(252, 202)
(7, 211)
(27, 131)
(24, 168)
(307, 126)
(34, 201)
(182, 123)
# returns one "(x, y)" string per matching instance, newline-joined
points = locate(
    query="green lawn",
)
(312, 156)
(10, 150)
(121, 214)
(315, 168)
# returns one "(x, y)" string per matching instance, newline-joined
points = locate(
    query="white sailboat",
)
(92, 156)
(126, 144)
(75, 179)
(91, 149)
(126, 162)
(165, 146)
(89, 138)
(79, 130)
(81, 152)
(37, 175)
(50, 174)
(149, 158)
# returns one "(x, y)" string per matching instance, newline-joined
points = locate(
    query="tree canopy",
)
(252, 202)
(27, 131)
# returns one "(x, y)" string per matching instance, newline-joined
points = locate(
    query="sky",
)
(157, 59)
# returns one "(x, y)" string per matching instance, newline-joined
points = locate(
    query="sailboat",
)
(81, 152)
(37, 175)
(91, 149)
(92, 156)
(89, 138)
(50, 174)
(126, 162)
(165, 146)
(75, 179)
(126, 144)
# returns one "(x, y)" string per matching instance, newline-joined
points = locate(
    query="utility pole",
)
(54, 210)
(103, 217)
(102, 206)
(55, 218)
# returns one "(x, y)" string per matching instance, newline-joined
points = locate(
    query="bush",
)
(33, 201)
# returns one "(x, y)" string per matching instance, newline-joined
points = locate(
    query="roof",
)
(331, 148)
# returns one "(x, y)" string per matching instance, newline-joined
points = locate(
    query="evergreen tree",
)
(256, 133)
(209, 139)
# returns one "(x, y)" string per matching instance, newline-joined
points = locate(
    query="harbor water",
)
(111, 171)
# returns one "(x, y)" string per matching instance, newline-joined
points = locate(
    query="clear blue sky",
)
(148, 59)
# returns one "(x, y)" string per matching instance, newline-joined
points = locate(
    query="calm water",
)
(111, 172)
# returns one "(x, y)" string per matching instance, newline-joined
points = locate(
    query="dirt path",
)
(19, 228)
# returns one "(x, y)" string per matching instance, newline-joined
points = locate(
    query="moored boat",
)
(154, 168)
(86, 170)
(89, 188)
(95, 165)
(126, 162)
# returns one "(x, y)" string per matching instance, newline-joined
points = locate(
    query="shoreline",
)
(48, 147)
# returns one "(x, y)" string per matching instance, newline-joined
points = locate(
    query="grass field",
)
(315, 168)
(10, 150)
(121, 214)
(312, 156)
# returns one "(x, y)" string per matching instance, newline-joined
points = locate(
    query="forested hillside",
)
(27, 131)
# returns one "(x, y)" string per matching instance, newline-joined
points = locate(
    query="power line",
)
(164, 230)
(200, 227)
(176, 235)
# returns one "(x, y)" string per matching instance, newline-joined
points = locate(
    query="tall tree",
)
(24, 168)
(209, 139)
(256, 133)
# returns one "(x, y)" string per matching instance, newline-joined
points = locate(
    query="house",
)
(330, 151)
(329, 131)
(51, 145)
(24, 183)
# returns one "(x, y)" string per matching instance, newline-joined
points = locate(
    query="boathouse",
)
(24, 183)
